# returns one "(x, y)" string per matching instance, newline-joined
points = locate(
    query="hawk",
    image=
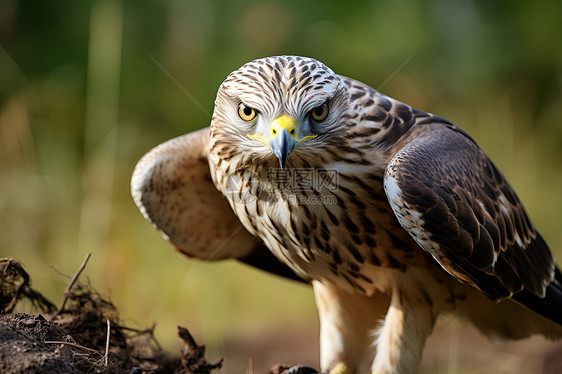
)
(394, 215)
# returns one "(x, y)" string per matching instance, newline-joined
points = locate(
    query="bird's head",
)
(278, 107)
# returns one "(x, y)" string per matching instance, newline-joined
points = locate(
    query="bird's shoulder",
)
(382, 122)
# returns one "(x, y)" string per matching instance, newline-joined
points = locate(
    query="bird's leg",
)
(408, 323)
(346, 321)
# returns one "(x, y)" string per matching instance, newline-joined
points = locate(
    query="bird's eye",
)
(246, 113)
(320, 113)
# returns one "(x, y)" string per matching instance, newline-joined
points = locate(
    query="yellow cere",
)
(282, 122)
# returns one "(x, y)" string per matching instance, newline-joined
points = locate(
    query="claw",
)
(340, 368)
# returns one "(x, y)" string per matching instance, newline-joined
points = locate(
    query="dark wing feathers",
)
(456, 204)
(549, 306)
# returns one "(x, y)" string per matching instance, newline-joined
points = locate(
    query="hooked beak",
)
(282, 145)
(283, 130)
(282, 140)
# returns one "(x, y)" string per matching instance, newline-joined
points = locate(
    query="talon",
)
(301, 370)
(340, 368)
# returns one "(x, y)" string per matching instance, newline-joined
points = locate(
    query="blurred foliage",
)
(83, 94)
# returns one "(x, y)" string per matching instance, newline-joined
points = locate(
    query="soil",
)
(84, 335)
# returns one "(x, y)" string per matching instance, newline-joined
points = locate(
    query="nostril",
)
(292, 132)
(274, 131)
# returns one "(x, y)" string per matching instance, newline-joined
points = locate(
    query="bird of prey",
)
(394, 215)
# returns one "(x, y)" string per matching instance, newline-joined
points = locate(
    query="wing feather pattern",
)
(455, 203)
(172, 187)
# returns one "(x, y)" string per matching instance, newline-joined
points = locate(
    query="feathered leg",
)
(346, 323)
(408, 323)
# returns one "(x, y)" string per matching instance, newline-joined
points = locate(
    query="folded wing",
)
(457, 206)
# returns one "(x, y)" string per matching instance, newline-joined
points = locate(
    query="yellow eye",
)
(320, 113)
(246, 113)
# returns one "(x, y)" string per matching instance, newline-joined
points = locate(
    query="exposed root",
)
(15, 285)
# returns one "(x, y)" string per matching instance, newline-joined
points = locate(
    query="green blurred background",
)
(87, 87)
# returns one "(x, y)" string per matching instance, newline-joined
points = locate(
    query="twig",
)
(70, 285)
(72, 345)
(105, 357)
(149, 331)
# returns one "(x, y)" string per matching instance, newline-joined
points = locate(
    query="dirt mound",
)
(84, 335)
(25, 347)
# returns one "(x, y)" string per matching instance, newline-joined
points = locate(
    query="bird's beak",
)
(283, 131)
